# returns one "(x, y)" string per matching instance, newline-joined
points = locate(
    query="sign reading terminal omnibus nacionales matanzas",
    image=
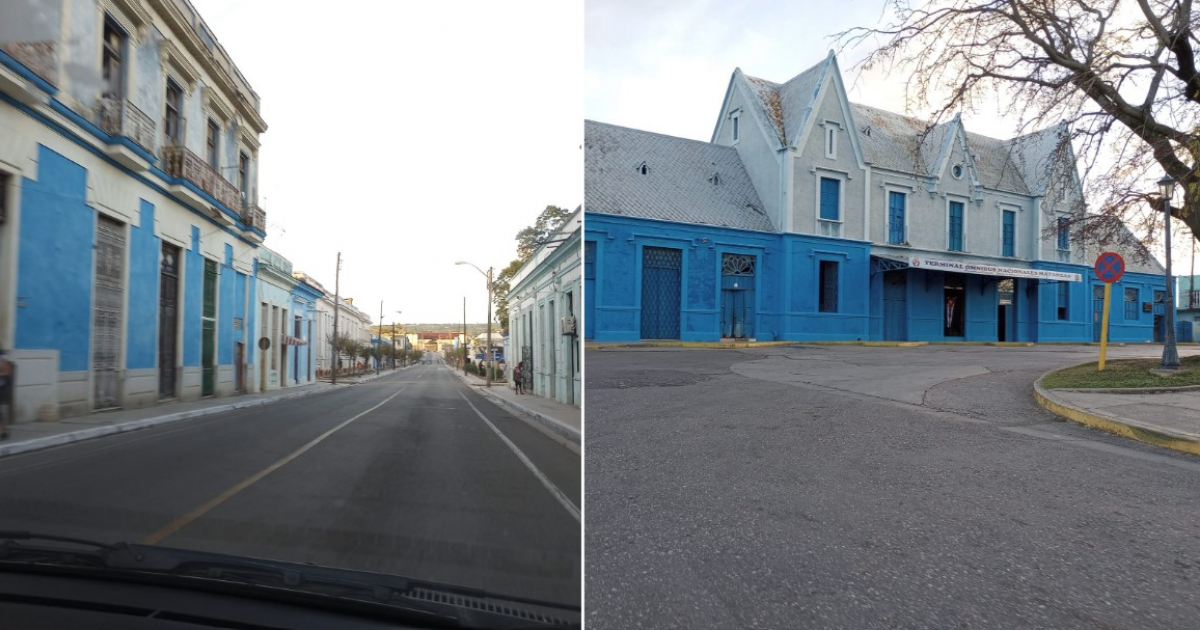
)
(921, 262)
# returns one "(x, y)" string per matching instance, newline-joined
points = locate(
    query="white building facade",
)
(545, 301)
(128, 196)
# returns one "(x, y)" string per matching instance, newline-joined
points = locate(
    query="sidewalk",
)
(1162, 417)
(564, 420)
(32, 436)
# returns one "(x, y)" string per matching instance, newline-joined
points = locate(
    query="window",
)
(1064, 300)
(957, 171)
(1131, 303)
(831, 190)
(956, 226)
(1064, 233)
(827, 300)
(736, 128)
(211, 142)
(172, 124)
(114, 49)
(244, 176)
(896, 203)
(1008, 246)
(831, 141)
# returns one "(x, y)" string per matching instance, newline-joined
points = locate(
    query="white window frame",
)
(1016, 210)
(965, 201)
(736, 130)
(835, 225)
(832, 127)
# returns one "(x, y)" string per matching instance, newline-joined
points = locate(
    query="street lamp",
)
(488, 349)
(394, 341)
(1170, 356)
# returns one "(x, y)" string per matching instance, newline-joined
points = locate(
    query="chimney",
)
(350, 301)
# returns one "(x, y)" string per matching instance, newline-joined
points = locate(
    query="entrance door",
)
(737, 296)
(168, 320)
(552, 351)
(895, 306)
(662, 270)
(106, 316)
(589, 289)
(1097, 311)
(239, 358)
(1005, 308)
(954, 303)
(208, 330)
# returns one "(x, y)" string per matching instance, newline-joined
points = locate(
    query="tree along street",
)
(400, 476)
(852, 487)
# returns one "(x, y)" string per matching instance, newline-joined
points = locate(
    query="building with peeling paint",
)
(128, 195)
(808, 217)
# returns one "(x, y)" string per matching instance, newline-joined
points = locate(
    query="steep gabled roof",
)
(685, 180)
(1036, 155)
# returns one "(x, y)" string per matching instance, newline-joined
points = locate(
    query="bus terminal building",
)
(810, 218)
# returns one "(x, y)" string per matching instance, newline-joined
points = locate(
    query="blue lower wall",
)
(225, 308)
(193, 299)
(784, 301)
(144, 250)
(786, 282)
(54, 281)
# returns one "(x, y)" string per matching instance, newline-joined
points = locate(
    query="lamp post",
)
(488, 348)
(394, 341)
(1170, 356)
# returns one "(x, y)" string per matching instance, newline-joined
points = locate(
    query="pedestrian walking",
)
(7, 385)
(518, 377)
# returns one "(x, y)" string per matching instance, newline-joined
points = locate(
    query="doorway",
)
(737, 296)
(106, 315)
(1006, 296)
(168, 318)
(895, 306)
(662, 272)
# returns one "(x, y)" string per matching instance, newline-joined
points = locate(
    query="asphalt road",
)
(851, 487)
(400, 475)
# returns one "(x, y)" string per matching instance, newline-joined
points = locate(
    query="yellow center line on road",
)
(558, 494)
(204, 508)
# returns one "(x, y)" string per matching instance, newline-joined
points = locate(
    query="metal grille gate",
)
(208, 330)
(106, 315)
(737, 295)
(662, 268)
(168, 316)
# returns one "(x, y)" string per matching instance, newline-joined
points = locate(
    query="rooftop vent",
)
(643, 168)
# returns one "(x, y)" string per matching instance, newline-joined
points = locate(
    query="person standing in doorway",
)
(518, 377)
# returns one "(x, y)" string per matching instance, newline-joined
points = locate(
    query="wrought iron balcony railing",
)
(119, 117)
(181, 162)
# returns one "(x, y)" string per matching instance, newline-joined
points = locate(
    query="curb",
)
(727, 345)
(49, 441)
(1117, 426)
(550, 422)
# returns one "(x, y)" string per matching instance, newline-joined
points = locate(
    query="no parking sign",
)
(1109, 268)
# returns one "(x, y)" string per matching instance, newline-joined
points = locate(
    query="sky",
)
(408, 136)
(664, 65)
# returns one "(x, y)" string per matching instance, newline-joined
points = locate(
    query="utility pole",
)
(393, 345)
(379, 344)
(464, 343)
(337, 279)
(488, 350)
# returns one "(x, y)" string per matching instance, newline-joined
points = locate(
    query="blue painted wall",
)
(787, 266)
(251, 313)
(193, 300)
(225, 308)
(54, 282)
(239, 306)
(144, 250)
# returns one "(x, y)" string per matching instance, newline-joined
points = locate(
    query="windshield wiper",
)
(432, 602)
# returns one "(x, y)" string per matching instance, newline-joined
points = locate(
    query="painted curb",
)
(1117, 426)
(550, 422)
(49, 441)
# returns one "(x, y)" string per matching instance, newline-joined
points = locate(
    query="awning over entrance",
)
(922, 262)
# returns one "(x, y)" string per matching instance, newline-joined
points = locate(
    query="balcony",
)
(121, 119)
(254, 217)
(180, 162)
